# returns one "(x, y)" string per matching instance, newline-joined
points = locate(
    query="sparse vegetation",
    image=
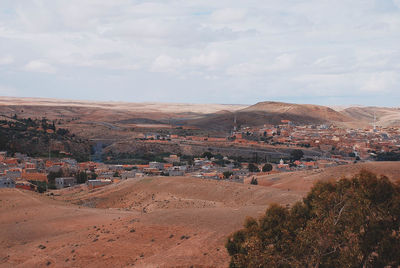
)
(227, 174)
(35, 137)
(253, 168)
(296, 154)
(267, 167)
(254, 181)
(349, 223)
(388, 156)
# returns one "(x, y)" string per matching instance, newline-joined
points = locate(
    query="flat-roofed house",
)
(6, 182)
(65, 182)
(92, 184)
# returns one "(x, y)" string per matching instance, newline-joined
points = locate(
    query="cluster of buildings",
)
(333, 141)
(341, 146)
(21, 171)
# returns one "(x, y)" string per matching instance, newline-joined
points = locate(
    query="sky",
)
(324, 52)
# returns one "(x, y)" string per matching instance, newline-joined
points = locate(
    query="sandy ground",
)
(302, 181)
(149, 222)
(157, 222)
(148, 107)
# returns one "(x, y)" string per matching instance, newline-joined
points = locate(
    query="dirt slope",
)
(271, 113)
(177, 222)
(385, 117)
(150, 222)
(318, 112)
(302, 181)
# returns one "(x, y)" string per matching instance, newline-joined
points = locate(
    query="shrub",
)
(267, 167)
(348, 223)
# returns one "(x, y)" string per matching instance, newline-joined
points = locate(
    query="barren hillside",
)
(272, 113)
(302, 181)
(154, 222)
(150, 222)
(317, 112)
(385, 117)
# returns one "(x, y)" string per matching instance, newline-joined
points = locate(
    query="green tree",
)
(227, 174)
(81, 177)
(296, 154)
(208, 155)
(253, 168)
(51, 177)
(93, 176)
(254, 181)
(267, 167)
(348, 223)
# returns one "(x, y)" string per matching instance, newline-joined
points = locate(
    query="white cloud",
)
(381, 82)
(209, 59)
(5, 60)
(282, 62)
(263, 48)
(39, 66)
(227, 15)
(165, 63)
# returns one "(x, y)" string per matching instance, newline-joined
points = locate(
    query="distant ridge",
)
(270, 112)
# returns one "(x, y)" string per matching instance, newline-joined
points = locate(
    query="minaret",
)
(234, 124)
(374, 122)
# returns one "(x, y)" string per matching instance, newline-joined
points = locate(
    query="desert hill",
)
(385, 117)
(302, 181)
(158, 193)
(272, 113)
(111, 119)
(318, 112)
(146, 222)
(112, 110)
(150, 222)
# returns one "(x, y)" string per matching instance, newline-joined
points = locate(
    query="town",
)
(335, 146)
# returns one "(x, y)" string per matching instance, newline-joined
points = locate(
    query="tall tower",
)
(374, 124)
(234, 124)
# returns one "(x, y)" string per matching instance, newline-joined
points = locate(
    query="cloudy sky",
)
(202, 51)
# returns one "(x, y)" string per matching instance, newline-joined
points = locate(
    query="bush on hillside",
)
(348, 223)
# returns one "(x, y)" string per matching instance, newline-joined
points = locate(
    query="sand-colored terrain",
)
(146, 222)
(302, 181)
(176, 221)
(385, 117)
(146, 107)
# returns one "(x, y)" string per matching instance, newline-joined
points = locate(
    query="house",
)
(34, 176)
(6, 182)
(65, 182)
(128, 174)
(25, 186)
(156, 165)
(93, 184)
(14, 173)
(177, 171)
(172, 159)
(3, 155)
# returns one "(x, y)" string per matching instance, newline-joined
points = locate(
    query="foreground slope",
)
(154, 222)
(149, 222)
